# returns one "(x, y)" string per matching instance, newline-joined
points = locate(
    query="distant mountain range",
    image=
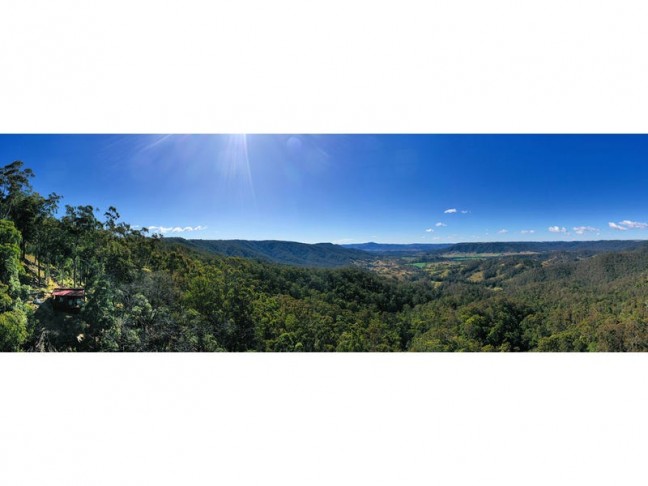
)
(546, 246)
(397, 248)
(325, 255)
(329, 255)
(500, 247)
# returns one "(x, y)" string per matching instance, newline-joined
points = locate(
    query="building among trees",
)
(68, 300)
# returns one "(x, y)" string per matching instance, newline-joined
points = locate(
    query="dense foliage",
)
(144, 294)
(287, 252)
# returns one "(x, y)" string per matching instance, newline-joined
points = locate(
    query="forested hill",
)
(325, 255)
(328, 255)
(398, 248)
(499, 247)
(546, 246)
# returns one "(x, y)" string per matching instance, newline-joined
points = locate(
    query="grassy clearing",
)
(419, 265)
(476, 277)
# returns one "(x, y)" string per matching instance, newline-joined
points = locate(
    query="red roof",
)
(68, 292)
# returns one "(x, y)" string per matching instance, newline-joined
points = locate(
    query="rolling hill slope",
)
(398, 248)
(546, 246)
(286, 252)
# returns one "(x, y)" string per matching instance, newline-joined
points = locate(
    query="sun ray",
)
(235, 168)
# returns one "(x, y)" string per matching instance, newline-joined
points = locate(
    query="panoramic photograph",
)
(331, 242)
(323, 243)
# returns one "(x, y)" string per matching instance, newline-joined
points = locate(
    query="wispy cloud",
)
(581, 230)
(429, 230)
(527, 232)
(557, 229)
(440, 225)
(626, 224)
(450, 211)
(176, 229)
(503, 231)
(633, 224)
(464, 212)
(616, 226)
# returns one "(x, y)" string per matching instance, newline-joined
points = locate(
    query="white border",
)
(334, 66)
(315, 419)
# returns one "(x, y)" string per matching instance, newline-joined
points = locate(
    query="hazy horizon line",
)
(412, 243)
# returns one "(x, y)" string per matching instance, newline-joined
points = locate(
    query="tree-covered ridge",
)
(391, 248)
(499, 247)
(325, 255)
(147, 294)
(545, 246)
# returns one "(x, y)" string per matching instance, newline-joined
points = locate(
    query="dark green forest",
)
(148, 293)
(325, 255)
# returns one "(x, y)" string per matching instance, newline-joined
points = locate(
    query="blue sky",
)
(352, 188)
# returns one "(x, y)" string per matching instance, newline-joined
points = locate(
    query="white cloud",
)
(429, 230)
(634, 224)
(503, 231)
(440, 225)
(626, 224)
(450, 211)
(527, 232)
(557, 229)
(616, 226)
(176, 229)
(464, 212)
(581, 230)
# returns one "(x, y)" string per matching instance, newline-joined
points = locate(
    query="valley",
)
(126, 288)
